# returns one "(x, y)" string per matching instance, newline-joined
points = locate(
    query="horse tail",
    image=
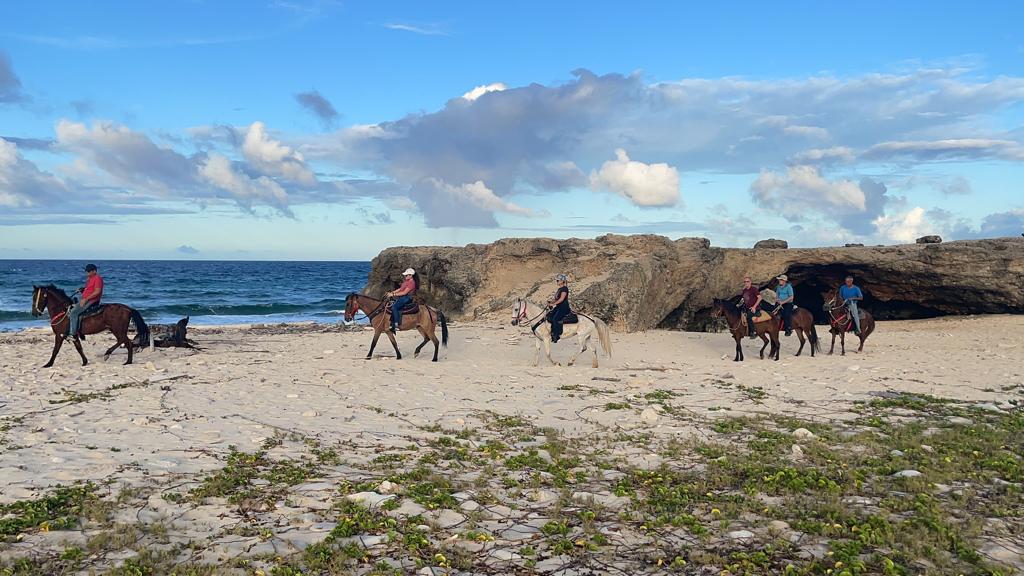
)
(813, 337)
(140, 328)
(604, 335)
(444, 328)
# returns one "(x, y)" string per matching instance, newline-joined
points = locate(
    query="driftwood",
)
(168, 335)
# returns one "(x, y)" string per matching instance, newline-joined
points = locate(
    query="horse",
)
(841, 322)
(113, 317)
(802, 323)
(734, 317)
(525, 312)
(425, 320)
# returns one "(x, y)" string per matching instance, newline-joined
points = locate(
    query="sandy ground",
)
(172, 416)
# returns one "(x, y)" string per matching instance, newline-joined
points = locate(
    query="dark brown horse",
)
(379, 314)
(113, 317)
(803, 323)
(841, 321)
(737, 321)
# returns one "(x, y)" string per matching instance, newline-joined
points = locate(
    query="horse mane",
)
(57, 290)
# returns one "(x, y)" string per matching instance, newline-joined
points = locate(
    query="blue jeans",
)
(851, 305)
(75, 317)
(396, 310)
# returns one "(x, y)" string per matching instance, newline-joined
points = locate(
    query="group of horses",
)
(802, 322)
(426, 320)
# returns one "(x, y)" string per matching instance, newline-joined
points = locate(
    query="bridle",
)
(522, 315)
(38, 306)
(832, 307)
(369, 316)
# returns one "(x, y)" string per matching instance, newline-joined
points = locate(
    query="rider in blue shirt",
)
(785, 293)
(851, 294)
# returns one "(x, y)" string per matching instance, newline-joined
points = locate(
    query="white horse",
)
(527, 313)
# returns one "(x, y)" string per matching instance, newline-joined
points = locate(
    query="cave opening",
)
(813, 283)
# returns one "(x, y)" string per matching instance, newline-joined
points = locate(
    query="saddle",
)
(762, 316)
(411, 308)
(93, 311)
(570, 318)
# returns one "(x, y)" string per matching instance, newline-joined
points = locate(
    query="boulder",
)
(646, 281)
(773, 243)
(930, 239)
(852, 245)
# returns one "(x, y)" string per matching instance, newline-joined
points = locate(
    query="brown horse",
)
(734, 317)
(803, 323)
(113, 317)
(378, 312)
(841, 322)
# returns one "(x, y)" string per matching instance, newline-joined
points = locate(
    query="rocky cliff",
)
(644, 281)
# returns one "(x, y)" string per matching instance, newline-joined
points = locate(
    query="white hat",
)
(408, 272)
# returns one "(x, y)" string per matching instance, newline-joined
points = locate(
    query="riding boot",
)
(751, 331)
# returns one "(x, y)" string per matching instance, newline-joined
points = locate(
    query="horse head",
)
(717, 307)
(351, 306)
(38, 301)
(519, 312)
(831, 300)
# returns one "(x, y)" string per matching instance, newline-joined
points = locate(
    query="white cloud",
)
(823, 155)
(274, 158)
(807, 131)
(218, 171)
(905, 227)
(480, 196)
(22, 184)
(948, 149)
(481, 90)
(803, 188)
(642, 184)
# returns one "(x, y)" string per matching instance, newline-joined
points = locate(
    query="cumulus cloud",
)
(315, 103)
(481, 90)
(904, 227)
(272, 157)
(10, 84)
(548, 138)
(1009, 223)
(641, 184)
(186, 249)
(803, 188)
(22, 184)
(218, 171)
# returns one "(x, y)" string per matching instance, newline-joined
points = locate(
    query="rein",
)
(522, 314)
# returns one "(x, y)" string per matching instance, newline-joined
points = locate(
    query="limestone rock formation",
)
(646, 281)
(772, 243)
(930, 239)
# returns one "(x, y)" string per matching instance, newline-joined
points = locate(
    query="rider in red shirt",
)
(403, 296)
(91, 294)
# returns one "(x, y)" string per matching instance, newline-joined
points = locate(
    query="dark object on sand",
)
(930, 239)
(168, 335)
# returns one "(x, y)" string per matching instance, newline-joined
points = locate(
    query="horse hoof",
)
(50, 365)
(434, 360)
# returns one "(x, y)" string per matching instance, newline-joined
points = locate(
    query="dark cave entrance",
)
(815, 282)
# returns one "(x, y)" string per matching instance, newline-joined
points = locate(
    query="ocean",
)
(209, 292)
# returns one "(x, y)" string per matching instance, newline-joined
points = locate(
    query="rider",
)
(91, 294)
(751, 304)
(851, 294)
(403, 296)
(785, 294)
(559, 307)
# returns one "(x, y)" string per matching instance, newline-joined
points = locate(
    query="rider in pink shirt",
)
(403, 296)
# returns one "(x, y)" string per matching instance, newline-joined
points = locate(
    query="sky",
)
(330, 130)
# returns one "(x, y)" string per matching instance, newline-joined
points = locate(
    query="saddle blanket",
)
(762, 316)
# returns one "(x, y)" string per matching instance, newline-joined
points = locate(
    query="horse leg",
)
(764, 338)
(800, 335)
(739, 349)
(777, 344)
(127, 344)
(433, 339)
(862, 339)
(833, 348)
(394, 343)
(78, 347)
(582, 348)
(58, 341)
(842, 343)
(547, 351)
(373, 344)
(536, 357)
(423, 333)
(111, 350)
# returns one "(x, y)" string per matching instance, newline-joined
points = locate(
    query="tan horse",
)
(113, 317)
(379, 314)
(527, 313)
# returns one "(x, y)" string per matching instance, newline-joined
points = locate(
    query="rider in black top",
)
(559, 307)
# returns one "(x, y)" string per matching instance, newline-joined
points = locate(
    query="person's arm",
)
(559, 298)
(757, 303)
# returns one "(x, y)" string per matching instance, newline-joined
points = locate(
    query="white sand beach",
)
(163, 424)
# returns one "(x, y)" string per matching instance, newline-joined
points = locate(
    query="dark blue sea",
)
(209, 292)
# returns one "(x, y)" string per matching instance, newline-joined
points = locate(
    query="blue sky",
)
(330, 130)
